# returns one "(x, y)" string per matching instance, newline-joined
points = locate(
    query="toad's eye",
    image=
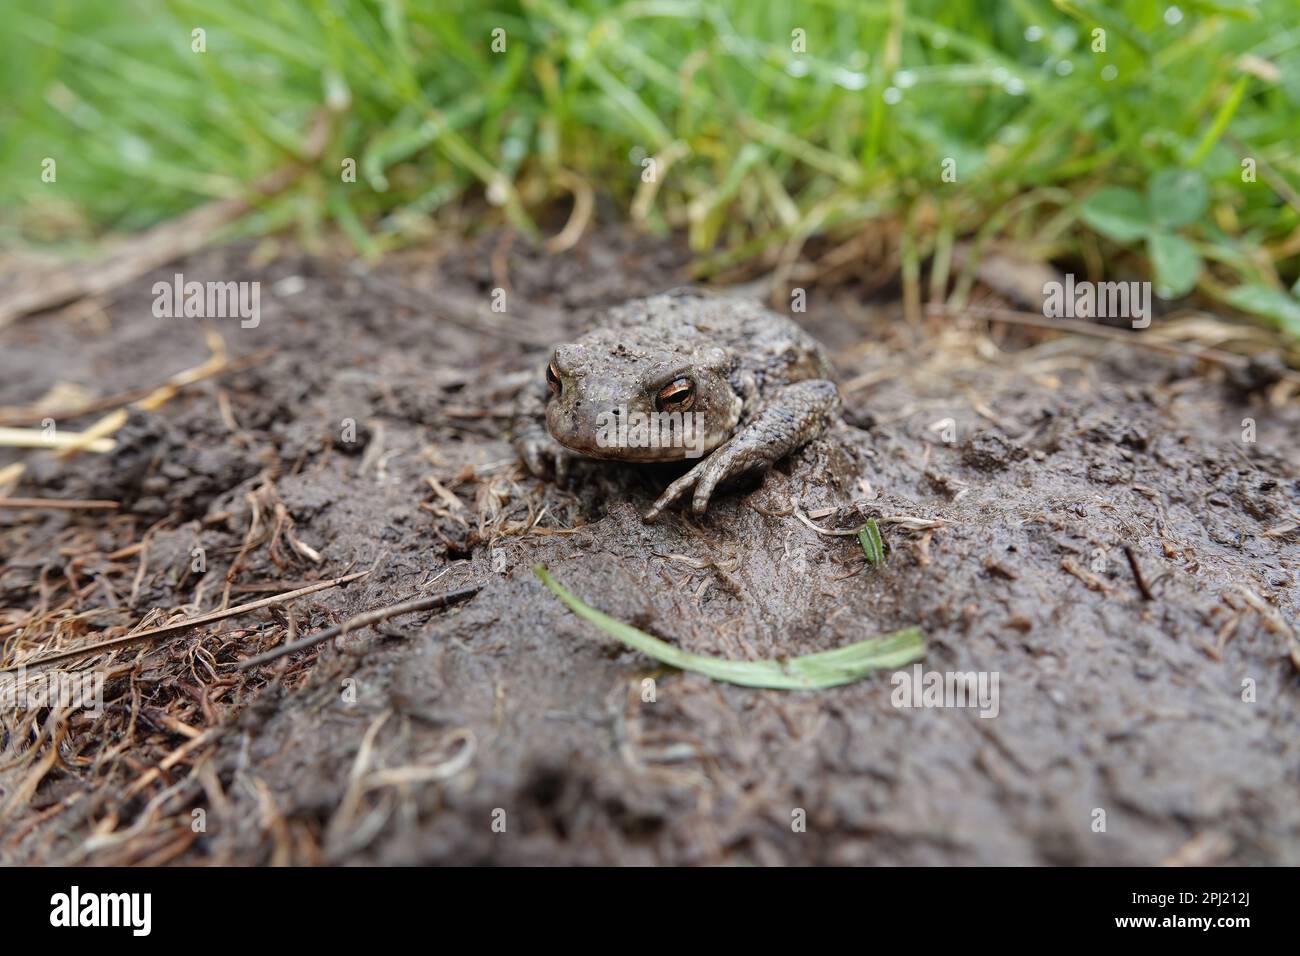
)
(678, 396)
(553, 379)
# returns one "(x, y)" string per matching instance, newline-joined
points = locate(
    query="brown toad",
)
(678, 376)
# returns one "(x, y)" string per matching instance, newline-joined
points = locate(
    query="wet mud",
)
(1018, 479)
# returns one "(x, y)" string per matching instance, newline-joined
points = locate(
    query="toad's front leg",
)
(791, 418)
(541, 454)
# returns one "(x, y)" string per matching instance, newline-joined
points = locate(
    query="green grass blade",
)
(872, 545)
(809, 672)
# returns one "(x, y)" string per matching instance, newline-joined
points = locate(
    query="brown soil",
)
(405, 744)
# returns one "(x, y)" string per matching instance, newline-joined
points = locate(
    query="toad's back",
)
(763, 346)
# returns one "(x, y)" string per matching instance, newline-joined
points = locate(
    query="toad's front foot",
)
(542, 455)
(793, 417)
(729, 460)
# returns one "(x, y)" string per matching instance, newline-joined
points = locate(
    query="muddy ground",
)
(1006, 527)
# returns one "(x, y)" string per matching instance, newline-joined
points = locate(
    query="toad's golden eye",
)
(553, 379)
(678, 396)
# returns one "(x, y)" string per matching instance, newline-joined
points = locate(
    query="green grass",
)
(872, 544)
(768, 146)
(844, 665)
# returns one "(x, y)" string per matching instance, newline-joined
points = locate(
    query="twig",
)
(40, 438)
(1274, 622)
(363, 620)
(67, 504)
(26, 416)
(179, 626)
(1079, 327)
(826, 531)
(579, 218)
(1137, 574)
(100, 430)
(173, 758)
(908, 523)
(1091, 580)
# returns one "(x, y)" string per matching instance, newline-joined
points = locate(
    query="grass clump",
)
(1060, 126)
